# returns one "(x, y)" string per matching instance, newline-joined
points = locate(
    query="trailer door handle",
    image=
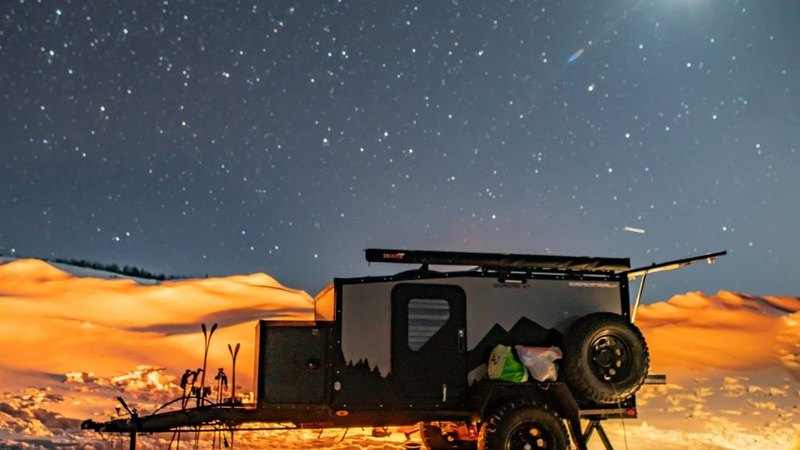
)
(462, 340)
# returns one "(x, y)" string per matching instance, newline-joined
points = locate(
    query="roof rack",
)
(498, 261)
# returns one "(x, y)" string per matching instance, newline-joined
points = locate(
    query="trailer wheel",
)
(523, 426)
(434, 438)
(605, 358)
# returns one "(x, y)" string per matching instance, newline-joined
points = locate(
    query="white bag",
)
(540, 361)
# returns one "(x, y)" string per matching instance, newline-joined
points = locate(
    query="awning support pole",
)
(638, 298)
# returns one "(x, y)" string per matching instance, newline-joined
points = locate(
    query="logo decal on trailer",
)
(593, 284)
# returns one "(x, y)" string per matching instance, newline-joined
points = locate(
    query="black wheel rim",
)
(610, 358)
(529, 436)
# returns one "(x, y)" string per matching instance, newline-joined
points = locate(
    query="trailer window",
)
(426, 316)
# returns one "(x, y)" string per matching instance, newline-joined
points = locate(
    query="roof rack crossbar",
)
(498, 261)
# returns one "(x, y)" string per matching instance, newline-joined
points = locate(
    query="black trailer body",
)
(419, 342)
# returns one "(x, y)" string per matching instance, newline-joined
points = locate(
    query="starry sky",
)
(222, 137)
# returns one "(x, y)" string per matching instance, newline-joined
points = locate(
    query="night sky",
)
(222, 137)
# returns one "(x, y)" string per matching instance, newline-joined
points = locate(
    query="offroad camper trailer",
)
(414, 348)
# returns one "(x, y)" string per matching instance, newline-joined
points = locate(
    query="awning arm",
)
(663, 267)
(671, 265)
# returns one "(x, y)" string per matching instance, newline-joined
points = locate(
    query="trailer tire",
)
(433, 438)
(605, 358)
(522, 425)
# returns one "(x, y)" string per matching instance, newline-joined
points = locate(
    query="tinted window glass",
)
(425, 317)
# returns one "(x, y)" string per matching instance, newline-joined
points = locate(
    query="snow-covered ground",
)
(71, 341)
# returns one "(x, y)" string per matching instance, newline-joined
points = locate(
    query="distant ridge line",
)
(129, 271)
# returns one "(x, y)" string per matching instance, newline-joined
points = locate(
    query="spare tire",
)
(605, 358)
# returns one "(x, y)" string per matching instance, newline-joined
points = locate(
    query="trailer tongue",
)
(415, 347)
(187, 419)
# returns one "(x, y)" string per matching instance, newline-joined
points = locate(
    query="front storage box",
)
(290, 363)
